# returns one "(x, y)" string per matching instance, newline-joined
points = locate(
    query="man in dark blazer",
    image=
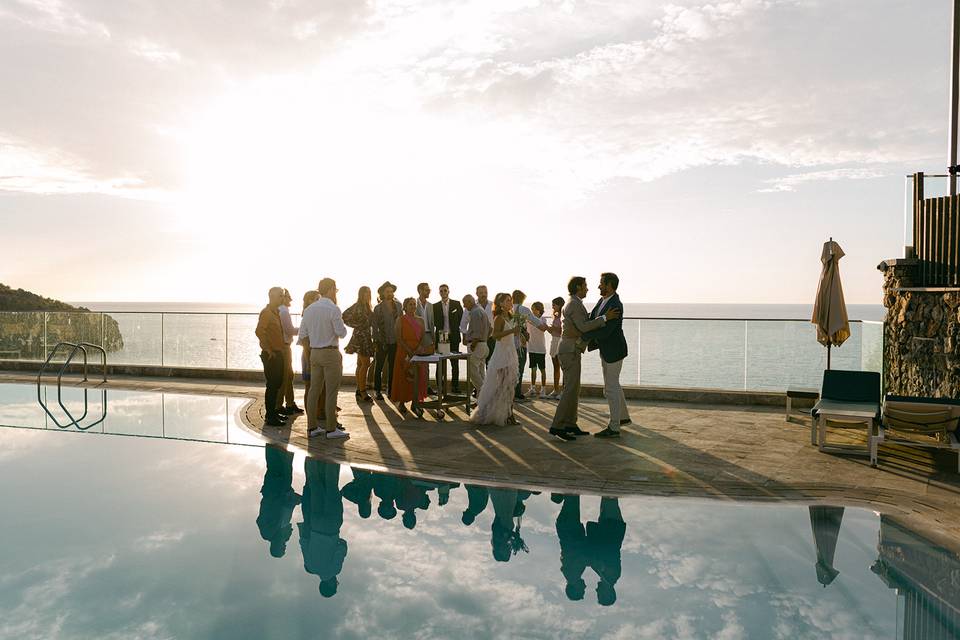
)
(612, 344)
(447, 315)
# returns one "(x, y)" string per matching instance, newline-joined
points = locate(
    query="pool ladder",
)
(80, 347)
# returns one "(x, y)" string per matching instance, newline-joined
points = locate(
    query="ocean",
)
(713, 346)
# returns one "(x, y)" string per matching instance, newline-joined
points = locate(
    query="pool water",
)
(193, 529)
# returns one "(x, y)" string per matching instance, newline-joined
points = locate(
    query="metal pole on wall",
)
(954, 95)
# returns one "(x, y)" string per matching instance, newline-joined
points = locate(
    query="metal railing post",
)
(45, 352)
(226, 341)
(746, 325)
(162, 339)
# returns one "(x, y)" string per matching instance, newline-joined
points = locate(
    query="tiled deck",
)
(725, 452)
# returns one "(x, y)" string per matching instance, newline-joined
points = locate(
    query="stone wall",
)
(921, 350)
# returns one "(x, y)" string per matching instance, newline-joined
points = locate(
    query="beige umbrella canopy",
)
(829, 308)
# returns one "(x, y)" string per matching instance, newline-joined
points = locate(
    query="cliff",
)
(24, 326)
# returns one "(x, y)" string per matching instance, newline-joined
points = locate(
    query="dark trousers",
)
(522, 360)
(273, 374)
(386, 353)
(454, 364)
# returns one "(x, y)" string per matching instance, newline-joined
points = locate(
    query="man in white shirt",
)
(425, 311)
(289, 331)
(322, 328)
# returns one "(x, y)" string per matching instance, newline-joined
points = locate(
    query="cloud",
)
(794, 180)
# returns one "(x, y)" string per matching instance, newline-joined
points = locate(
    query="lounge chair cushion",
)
(851, 386)
(921, 415)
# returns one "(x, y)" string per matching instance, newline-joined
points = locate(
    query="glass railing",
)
(735, 354)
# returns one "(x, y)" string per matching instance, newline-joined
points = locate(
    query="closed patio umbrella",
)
(829, 308)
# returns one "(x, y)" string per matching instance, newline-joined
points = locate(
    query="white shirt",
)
(538, 341)
(425, 311)
(288, 329)
(488, 309)
(322, 324)
(446, 315)
(603, 304)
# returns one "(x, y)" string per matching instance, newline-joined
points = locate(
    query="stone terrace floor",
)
(689, 450)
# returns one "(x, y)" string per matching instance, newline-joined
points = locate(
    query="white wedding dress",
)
(495, 399)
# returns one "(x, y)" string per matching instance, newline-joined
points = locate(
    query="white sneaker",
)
(313, 433)
(543, 394)
(337, 433)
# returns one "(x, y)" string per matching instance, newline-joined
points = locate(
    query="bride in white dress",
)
(495, 401)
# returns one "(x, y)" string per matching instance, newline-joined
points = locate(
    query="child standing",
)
(537, 352)
(555, 330)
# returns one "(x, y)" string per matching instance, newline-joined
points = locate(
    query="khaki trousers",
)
(612, 390)
(477, 365)
(569, 405)
(286, 389)
(326, 369)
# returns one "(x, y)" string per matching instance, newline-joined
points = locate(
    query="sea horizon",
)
(739, 311)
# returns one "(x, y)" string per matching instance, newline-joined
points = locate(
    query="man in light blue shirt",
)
(321, 328)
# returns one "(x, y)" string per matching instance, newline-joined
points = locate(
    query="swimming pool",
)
(190, 528)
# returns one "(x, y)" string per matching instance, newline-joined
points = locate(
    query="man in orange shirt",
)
(270, 333)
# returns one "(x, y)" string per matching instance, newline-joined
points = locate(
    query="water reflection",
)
(322, 508)
(278, 500)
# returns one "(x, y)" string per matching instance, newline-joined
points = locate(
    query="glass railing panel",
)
(21, 335)
(785, 353)
(706, 354)
(243, 348)
(138, 338)
(871, 351)
(195, 340)
(78, 326)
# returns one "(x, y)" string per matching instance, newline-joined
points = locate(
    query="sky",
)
(178, 150)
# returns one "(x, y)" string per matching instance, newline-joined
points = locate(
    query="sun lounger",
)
(930, 423)
(847, 399)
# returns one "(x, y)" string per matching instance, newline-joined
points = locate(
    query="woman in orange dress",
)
(410, 330)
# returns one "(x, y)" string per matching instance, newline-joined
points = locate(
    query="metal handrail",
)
(53, 351)
(76, 422)
(103, 356)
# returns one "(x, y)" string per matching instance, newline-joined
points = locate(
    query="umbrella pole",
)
(828, 357)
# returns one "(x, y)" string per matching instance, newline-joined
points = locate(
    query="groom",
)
(613, 350)
(576, 323)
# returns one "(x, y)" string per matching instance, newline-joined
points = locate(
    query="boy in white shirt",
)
(537, 352)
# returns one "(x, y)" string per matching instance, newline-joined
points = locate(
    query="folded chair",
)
(930, 423)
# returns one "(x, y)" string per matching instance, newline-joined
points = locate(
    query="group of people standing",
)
(594, 544)
(500, 336)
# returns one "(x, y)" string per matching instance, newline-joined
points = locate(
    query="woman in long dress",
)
(358, 317)
(495, 401)
(410, 330)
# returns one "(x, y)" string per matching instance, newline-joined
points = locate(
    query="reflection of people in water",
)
(358, 491)
(573, 546)
(387, 488)
(413, 496)
(604, 542)
(597, 546)
(278, 501)
(323, 549)
(505, 537)
(477, 499)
